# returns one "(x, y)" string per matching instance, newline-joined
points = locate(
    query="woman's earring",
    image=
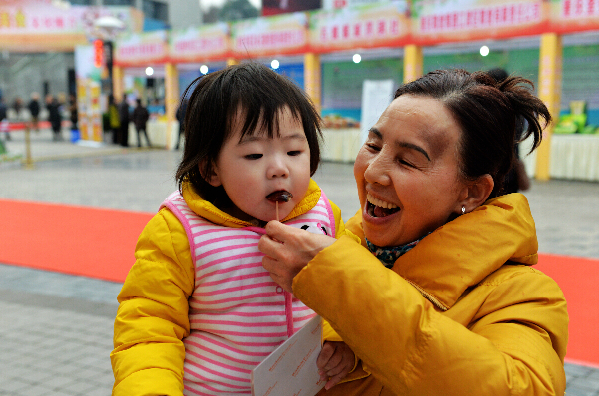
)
(463, 209)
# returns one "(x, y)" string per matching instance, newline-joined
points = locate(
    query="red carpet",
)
(97, 243)
(100, 243)
(578, 278)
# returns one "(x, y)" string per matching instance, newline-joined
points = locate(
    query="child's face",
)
(257, 166)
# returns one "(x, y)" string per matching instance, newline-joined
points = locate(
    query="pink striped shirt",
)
(238, 315)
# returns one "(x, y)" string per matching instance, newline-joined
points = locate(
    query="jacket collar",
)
(442, 269)
(213, 214)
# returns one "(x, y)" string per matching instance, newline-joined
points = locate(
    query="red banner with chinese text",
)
(267, 36)
(142, 49)
(40, 26)
(455, 20)
(368, 26)
(569, 16)
(200, 44)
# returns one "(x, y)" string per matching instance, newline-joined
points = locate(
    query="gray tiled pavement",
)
(56, 330)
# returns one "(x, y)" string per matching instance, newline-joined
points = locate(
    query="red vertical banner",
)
(98, 53)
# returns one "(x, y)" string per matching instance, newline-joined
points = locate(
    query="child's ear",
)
(210, 174)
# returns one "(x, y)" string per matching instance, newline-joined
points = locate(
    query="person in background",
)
(516, 179)
(34, 109)
(54, 116)
(18, 107)
(124, 119)
(4, 126)
(140, 120)
(180, 114)
(114, 119)
(441, 298)
(73, 112)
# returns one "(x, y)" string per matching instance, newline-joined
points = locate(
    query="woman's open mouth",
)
(378, 208)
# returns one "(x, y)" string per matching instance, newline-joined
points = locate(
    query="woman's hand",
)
(287, 250)
(335, 361)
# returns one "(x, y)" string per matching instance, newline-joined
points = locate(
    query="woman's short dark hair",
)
(250, 89)
(487, 112)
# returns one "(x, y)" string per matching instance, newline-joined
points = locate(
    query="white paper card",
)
(291, 369)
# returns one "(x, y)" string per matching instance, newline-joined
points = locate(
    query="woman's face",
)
(407, 172)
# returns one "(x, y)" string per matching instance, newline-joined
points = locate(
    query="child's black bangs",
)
(263, 116)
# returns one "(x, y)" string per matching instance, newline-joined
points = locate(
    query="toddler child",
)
(197, 311)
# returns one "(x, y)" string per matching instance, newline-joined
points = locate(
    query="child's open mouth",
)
(279, 196)
(378, 208)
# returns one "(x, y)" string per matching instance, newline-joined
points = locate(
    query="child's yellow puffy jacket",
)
(153, 314)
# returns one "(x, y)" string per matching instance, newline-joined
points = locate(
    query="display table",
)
(341, 145)
(157, 133)
(573, 157)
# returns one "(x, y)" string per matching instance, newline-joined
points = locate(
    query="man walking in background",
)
(124, 120)
(140, 120)
(34, 109)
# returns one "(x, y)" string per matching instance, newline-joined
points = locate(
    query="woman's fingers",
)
(281, 270)
(268, 246)
(279, 232)
(278, 273)
(288, 250)
(274, 228)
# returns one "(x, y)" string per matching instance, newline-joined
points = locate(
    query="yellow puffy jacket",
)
(462, 313)
(152, 318)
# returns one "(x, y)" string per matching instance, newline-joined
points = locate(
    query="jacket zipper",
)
(428, 296)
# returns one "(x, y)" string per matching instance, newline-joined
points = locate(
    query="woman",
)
(114, 119)
(467, 314)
